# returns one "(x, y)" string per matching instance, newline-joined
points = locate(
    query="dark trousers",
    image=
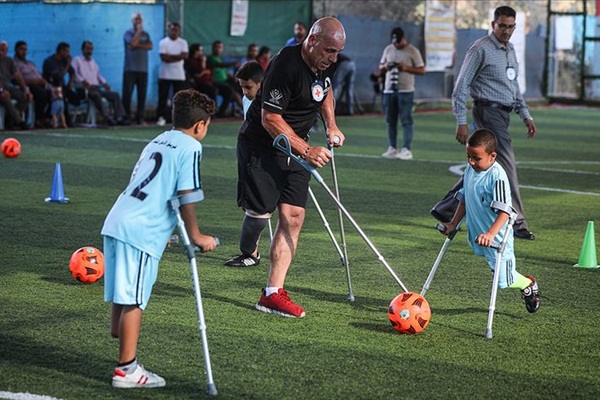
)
(140, 81)
(497, 121)
(41, 97)
(95, 94)
(164, 86)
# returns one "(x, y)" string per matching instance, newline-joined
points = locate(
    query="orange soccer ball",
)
(409, 313)
(87, 265)
(10, 148)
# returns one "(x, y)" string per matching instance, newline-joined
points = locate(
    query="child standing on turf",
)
(485, 181)
(141, 221)
(250, 76)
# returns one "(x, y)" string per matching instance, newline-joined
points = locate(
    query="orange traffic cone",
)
(587, 257)
(57, 192)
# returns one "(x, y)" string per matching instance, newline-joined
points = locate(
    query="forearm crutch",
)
(333, 240)
(336, 192)
(447, 241)
(512, 216)
(191, 254)
(282, 143)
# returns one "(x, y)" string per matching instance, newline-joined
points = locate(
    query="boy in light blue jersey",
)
(138, 227)
(485, 182)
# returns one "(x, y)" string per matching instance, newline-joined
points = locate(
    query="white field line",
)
(455, 169)
(24, 396)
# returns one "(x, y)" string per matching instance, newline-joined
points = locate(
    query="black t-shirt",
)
(290, 89)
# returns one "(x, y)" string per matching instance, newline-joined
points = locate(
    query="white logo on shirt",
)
(275, 96)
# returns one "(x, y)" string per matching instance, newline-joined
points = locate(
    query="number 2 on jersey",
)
(137, 192)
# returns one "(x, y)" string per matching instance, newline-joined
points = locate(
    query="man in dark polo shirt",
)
(297, 86)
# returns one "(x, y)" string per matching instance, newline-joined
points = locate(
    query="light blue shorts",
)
(508, 267)
(129, 274)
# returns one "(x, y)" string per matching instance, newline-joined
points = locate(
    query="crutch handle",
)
(441, 227)
(199, 249)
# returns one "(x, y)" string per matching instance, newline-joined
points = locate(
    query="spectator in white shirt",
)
(173, 51)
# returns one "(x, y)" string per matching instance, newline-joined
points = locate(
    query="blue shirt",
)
(484, 76)
(142, 215)
(479, 190)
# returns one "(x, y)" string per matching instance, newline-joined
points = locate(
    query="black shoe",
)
(531, 295)
(523, 233)
(124, 122)
(111, 121)
(244, 260)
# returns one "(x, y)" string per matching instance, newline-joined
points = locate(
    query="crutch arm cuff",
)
(192, 197)
(497, 205)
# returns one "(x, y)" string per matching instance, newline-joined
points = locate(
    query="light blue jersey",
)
(246, 105)
(142, 215)
(479, 191)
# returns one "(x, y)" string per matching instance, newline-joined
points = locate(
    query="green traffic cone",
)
(587, 257)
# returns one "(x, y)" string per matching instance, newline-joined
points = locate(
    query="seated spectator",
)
(60, 63)
(87, 74)
(39, 87)
(14, 88)
(220, 74)
(263, 57)
(251, 54)
(197, 73)
(57, 103)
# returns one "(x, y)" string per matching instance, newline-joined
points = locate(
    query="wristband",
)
(305, 154)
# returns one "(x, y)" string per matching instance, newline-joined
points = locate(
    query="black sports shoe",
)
(244, 260)
(524, 233)
(531, 295)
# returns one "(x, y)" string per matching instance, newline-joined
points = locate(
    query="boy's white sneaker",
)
(139, 378)
(390, 153)
(404, 154)
(161, 121)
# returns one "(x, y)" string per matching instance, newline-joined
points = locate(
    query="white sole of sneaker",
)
(271, 311)
(130, 385)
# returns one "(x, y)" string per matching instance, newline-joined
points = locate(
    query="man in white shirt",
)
(173, 51)
(91, 83)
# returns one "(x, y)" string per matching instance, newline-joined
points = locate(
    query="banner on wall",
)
(439, 34)
(239, 17)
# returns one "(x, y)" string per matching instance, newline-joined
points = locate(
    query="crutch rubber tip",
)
(212, 389)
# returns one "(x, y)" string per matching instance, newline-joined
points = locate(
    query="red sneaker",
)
(280, 304)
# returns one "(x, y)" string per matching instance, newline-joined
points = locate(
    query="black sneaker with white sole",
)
(531, 295)
(244, 260)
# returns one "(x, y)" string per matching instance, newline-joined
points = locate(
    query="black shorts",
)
(266, 179)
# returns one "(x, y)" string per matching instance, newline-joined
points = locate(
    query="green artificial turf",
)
(54, 337)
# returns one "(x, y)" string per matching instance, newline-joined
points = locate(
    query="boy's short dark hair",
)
(484, 137)
(191, 106)
(250, 71)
